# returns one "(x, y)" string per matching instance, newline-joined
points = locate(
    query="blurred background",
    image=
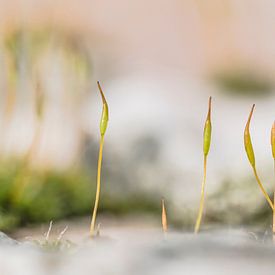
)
(158, 62)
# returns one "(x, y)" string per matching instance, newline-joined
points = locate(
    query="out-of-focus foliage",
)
(47, 195)
(52, 195)
(32, 48)
(243, 82)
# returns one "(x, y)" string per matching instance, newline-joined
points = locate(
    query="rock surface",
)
(6, 240)
(130, 252)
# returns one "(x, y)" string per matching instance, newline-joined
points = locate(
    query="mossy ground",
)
(29, 196)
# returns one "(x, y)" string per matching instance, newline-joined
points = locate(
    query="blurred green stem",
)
(23, 176)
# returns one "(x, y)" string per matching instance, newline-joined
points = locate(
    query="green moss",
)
(8, 221)
(52, 195)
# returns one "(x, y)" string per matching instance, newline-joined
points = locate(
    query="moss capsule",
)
(105, 112)
(207, 131)
(273, 140)
(247, 140)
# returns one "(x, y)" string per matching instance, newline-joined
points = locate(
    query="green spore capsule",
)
(273, 140)
(105, 112)
(207, 131)
(247, 140)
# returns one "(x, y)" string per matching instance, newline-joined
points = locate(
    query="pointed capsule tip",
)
(253, 107)
(101, 93)
(250, 115)
(99, 86)
(209, 108)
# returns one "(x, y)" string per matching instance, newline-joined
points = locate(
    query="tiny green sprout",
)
(55, 244)
(164, 217)
(250, 155)
(206, 146)
(103, 127)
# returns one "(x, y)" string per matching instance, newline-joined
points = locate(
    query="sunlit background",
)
(157, 62)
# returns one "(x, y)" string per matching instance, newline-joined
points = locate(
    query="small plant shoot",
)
(251, 157)
(206, 146)
(273, 155)
(103, 126)
(164, 217)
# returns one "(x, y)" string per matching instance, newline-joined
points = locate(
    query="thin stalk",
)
(273, 155)
(262, 188)
(164, 218)
(273, 227)
(92, 228)
(199, 217)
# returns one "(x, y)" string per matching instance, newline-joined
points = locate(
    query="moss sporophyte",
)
(103, 126)
(273, 155)
(206, 146)
(164, 217)
(251, 157)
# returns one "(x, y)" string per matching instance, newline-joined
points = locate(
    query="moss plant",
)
(57, 244)
(164, 217)
(103, 127)
(206, 147)
(273, 155)
(251, 157)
